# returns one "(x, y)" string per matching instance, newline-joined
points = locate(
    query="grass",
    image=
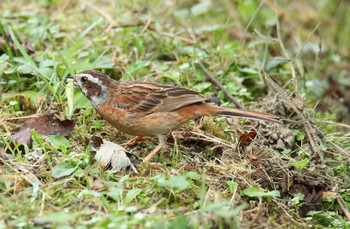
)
(204, 179)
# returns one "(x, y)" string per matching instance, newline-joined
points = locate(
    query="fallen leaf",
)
(24, 136)
(246, 138)
(46, 125)
(109, 153)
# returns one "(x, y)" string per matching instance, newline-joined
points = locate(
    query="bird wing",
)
(152, 98)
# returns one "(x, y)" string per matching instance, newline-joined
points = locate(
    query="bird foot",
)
(136, 140)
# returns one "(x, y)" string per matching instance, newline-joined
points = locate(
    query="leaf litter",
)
(260, 157)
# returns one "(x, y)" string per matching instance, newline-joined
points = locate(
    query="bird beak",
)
(72, 78)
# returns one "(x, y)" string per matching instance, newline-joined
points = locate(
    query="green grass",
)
(204, 179)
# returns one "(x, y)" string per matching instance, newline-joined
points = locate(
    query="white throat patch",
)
(100, 99)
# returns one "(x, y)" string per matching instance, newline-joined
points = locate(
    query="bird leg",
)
(160, 145)
(136, 140)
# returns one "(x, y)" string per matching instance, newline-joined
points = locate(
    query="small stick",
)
(343, 207)
(219, 85)
(129, 25)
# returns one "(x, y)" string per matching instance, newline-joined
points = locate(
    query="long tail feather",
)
(248, 114)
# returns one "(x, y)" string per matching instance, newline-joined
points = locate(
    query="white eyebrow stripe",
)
(90, 78)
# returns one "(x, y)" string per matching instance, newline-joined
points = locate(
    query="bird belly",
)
(156, 124)
(148, 125)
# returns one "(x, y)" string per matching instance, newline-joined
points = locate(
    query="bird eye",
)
(84, 79)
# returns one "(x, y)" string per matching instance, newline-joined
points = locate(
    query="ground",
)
(281, 57)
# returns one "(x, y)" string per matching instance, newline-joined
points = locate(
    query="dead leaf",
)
(246, 138)
(46, 125)
(23, 136)
(109, 153)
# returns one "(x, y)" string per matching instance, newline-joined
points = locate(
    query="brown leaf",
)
(49, 124)
(246, 138)
(24, 136)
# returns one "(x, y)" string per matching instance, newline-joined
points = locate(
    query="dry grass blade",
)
(334, 123)
(212, 139)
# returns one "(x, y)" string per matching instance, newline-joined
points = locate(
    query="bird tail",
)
(232, 112)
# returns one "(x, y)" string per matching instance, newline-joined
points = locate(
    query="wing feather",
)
(153, 98)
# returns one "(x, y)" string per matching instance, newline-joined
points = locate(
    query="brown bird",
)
(150, 109)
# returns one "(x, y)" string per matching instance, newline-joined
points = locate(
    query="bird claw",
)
(136, 140)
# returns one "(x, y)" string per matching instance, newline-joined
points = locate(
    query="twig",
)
(23, 117)
(219, 85)
(343, 207)
(129, 25)
(342, 151)
(188, 41)
(305, 122)
(304, 43)
(213, 139)
(147, 26)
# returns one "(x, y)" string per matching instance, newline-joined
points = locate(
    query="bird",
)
(147, 109)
